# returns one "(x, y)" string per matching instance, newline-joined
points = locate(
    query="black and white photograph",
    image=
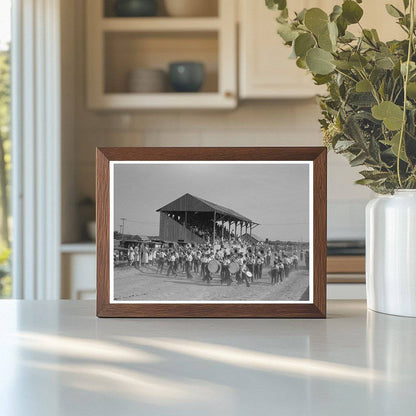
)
(211, 232)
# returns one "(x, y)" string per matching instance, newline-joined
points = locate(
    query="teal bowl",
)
(136, 8)
(186, 76)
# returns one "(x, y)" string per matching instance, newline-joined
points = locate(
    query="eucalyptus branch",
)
(406, 80)
(373, 89)
(346, 75)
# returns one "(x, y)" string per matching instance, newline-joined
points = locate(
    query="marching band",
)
(238, 260)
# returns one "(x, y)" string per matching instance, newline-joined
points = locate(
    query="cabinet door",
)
(265, 68)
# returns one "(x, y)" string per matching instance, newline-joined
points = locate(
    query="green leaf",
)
(374, 150)
(343, 65)
(319, 61)
(363, 86)
(412, 67)
(411, 90)
(394, 145)
(316, 20)
(358, 160)
(286, 32)
(301, 63)
(303, 43)
(336, 12)
(375, 35)
(300, 17)
(361, 99)
(406, 4)
(351, 11)
(368, 36)
(343, 145)
(391, 114)
(385, 63)
(342, 25)
(321, 79)
(358, 61)
(276, 4)
(393, 11)
(364, 181)
(325, 42)
(374, 175)
(348, 37)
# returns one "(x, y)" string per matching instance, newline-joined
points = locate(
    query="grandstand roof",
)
(191, 203)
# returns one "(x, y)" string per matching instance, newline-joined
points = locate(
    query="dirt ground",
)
(131, 284)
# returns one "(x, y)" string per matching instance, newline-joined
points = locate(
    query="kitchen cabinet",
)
(265, 70)
(118, 45)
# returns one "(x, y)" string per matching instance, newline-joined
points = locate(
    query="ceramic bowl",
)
(186, 76)
(136, 8)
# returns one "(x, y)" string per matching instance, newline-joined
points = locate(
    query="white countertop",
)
(58, 359)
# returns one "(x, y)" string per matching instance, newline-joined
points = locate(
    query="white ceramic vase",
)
(391, 253)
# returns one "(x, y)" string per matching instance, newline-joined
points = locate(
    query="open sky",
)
(274, 195)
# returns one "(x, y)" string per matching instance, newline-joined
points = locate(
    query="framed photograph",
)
(211, 232)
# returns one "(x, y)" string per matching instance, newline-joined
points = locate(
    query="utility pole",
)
(122, 226)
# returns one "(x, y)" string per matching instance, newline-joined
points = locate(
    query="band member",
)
(268, 256)
(137, 256)
(240, 262)
(226, 275)
(259, 262)
(295, 261)
(286, 265)
(161, 261)
(145, 256)
(274, 272)
(171, 264)
(176, 263)
(244, 270)
(188, 265)
(281, 270)
(130, 255)
(197, 260)
(250, 265)
(206, 276)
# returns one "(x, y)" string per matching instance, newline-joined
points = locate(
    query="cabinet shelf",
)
(160, 24)
(198, 100)
(117, 46)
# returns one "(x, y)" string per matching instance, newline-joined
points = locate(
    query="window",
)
(5, 147)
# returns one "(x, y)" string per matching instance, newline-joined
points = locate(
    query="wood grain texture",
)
(346, 264)
(220, 310)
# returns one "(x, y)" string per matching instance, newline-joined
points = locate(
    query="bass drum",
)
(234, 267)
(214, 266)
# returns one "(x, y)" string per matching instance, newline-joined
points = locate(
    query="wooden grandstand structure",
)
(190, 219)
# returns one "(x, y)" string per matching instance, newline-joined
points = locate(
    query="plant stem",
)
(345, 75)
(406, 80)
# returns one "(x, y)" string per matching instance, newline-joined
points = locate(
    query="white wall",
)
(256, 123)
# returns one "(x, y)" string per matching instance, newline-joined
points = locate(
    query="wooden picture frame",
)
(315, 308)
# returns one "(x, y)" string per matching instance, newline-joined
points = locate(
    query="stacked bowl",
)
(147, 80)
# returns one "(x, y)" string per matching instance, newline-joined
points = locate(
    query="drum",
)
(214, 266)
(249, 274)
(233, 267)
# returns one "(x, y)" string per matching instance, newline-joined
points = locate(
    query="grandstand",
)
(190, 219)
